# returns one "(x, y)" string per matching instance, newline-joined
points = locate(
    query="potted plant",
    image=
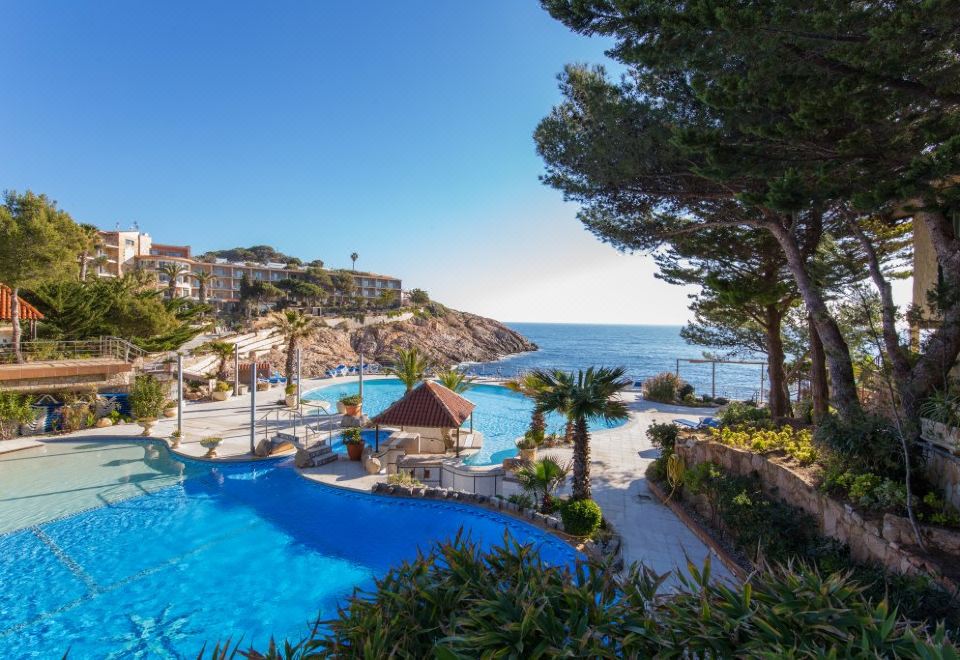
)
(211, 443)
(291, 395)
(147, 397)
(170, 409)
(175, 438)
(353, 441)
(352, 405)
(222, 391)
(940, 421)
(528, 445)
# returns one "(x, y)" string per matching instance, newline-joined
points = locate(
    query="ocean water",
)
(645, 350)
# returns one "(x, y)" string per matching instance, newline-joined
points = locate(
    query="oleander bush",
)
(581, 517)
(460, 601)
(797, 444)
(663, 388)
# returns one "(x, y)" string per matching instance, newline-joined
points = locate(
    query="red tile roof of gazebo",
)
(27, 311)
(430, 405)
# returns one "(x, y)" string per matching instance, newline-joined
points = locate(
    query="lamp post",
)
(253, 406)
(180, 394)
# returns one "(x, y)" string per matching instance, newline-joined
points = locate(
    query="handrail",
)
(74, 349)
(296, 417)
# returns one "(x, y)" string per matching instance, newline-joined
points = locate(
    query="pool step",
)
(322, 455)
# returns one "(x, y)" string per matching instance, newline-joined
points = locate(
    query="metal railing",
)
(294, 421)
(79, 349)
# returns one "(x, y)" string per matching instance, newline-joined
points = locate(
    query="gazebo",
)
(429, 406)
(28, 312)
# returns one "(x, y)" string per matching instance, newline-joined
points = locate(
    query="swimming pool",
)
(118, 549)
(501, 415)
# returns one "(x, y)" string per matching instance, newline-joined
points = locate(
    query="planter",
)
(169, 413)
(355, 451)
(263, 387)
(529, 455)
(290, 400)
(147, 425)
(940, 435)
(217, 395)
(341, 409)
(352, 411)
(174, 441)
(103, 422)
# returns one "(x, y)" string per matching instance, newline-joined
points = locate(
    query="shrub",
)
(685, 391)
(744, 413)
(664, 387)
(290, 389)
(403, 479)
(459, 600)
(223, 386)
(663, 436)
(147, 396)
(351, 400)
(581, 517)
(15, 409)
(798, 445)
(867, 442)
(352, 436)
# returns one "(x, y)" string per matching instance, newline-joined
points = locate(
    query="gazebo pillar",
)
(458, 442)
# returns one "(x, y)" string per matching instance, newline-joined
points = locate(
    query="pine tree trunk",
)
(819, 389)
(581, 460)
(844, 390)
(15, 321)
(779, 394)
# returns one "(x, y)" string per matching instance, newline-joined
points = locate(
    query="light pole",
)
(180, 394)
(253, 406)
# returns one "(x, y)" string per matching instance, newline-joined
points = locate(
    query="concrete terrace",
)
(619, 457)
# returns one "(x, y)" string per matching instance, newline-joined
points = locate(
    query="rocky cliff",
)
(447, 336)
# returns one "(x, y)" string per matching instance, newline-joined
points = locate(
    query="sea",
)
(644, 350)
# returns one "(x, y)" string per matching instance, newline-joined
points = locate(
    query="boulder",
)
(302, 459)
(103, 422)
(263, 448)
(372, 466)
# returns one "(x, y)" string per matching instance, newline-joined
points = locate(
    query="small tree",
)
(542, 478)
(529, 385)
(203, 278)
(410, 366)
(353, 258)
(147, 397)
(418, 297)
(294, 327)
(223, 350)
(454, 380)
(172, 271)
(15, 409)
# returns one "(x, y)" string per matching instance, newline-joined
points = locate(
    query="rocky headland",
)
(446, 335)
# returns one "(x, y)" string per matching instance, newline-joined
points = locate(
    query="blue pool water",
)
(501, 415)
(369, 438)
(171, 553)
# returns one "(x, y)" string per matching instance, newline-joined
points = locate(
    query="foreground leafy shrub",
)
(459, 601)
(798, 445)
(14, 410)
(663, 388)
(581, 517)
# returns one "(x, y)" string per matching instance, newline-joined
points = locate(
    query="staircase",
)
(321, 455)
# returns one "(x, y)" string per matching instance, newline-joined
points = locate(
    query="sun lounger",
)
(705, 423)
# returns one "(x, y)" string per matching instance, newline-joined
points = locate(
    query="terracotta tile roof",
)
(430, 405)
(27, 311)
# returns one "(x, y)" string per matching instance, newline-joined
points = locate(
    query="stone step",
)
(323, 459)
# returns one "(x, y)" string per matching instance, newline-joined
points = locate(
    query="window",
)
(426, 473)
(130, 242)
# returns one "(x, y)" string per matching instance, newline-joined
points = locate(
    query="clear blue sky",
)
(400, 130)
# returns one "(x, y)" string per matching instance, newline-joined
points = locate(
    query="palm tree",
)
(529, 385)
(454, 380)
(591, 394)
(203, 278)
(172, 271)
(100, 261)
(294, 326)
(89, 241)
(222, 349)
(542, 479)
(410, 366)
(353, 257)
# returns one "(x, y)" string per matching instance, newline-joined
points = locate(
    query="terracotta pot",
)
(355, 451)
(352, 411)
(169, 412)
(147, 425)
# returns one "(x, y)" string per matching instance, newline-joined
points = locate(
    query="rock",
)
(348, 421)
(449, 338)
(372, 465)
(302, 459)
(263, 448)
(103, 422)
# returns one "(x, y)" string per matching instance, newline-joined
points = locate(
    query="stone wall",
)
(943, 470)
(884, 540)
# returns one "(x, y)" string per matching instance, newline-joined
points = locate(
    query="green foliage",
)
(798, 445)
(867, 442)
(542, 478)
(351, 400)
(352, 436)
(581, 517)
(522, 500)
(663, 388)
(290, 389)
(411, 366)
(14, 410)
(260, 254)
(454, 379)
(223, 386)
(418, 297)
(223, 350)
(459, 601)
(743, 413)
(147, 396)
(663, 436)
(942, 407)
(937, 511)
(403, 478)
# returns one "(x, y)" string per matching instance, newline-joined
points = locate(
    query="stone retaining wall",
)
(883, 541)
(943, 470)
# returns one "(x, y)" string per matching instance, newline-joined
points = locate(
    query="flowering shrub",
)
(796, 444)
